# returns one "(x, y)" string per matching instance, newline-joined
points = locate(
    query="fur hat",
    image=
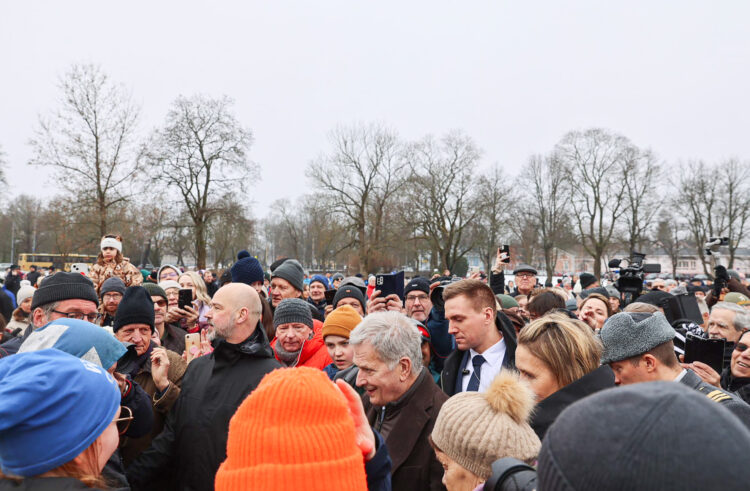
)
(477, 428)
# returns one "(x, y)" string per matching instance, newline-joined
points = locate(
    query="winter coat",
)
(319, 306)
(440, 339)
(130, 448)
(174, 338)
(409, 424)
(33, 276)
(46, 484)
(128, 273)
(314, 352)
(549, 408)
(457, 361)
(6, 305)
(194, 440)
(739, 386)
(730, 401)
(19, 321)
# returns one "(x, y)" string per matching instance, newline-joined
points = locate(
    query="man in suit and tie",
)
(485, 338)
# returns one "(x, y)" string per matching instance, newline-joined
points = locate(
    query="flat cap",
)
(524, 268)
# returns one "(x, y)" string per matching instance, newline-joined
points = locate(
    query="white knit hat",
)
(26, 291)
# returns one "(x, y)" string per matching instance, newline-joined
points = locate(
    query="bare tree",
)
(595, 161)
(359, 176)
(443, 195)
(90, 141)
(715, 202)
(643, 194)
(549, 191)
(498, 199)
(230, 231)
(201, 151)
(668, 238)
(3, 164)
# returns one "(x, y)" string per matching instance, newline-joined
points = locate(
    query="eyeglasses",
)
(171, 274)
(160, 303)
(93, 318)
(123, 422)
(414, 298)
(740, 347)
(525, 275)
(111, 296)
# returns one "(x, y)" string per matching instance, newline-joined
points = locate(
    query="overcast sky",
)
(516, 76)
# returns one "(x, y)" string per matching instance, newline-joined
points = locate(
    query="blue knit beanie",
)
(247, 269)
(79, 338)
(320, 279)
(53, 406)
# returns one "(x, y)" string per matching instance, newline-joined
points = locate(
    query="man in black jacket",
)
(485, 338)
(194, 441)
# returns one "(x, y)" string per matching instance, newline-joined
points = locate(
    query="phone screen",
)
(330, 294)
(505, 249)
(708, 351)
(185, 298)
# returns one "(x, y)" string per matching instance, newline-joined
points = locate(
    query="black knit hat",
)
(247, 269)
(293, 310)
(136, 307)
(350, 291)
(64, 286)
(418, 283)
(586, 279)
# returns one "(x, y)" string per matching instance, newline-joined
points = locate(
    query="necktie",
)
(476, 374)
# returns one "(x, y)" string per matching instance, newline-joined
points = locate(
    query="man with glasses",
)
(525, 277)
(70, 295)
(111, 293)
(418, 306)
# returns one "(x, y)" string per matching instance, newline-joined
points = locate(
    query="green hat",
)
(154, 289)
(738, 298)
(507, 301)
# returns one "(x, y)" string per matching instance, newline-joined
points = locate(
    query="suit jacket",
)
(415, 466)
(730, 401)
(457, 361)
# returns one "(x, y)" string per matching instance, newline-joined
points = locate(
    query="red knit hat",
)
(293, 432)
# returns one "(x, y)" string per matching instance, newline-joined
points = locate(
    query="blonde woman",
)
(201, 300)
(560, 359)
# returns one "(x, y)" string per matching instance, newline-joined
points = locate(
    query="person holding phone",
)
(200, 299)
(639, 347)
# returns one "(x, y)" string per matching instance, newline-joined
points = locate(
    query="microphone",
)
(465, 372)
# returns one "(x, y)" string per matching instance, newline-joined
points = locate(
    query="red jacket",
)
(314, 352)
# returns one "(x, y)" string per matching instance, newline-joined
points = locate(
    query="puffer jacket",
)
(128, 273)
(314, 352)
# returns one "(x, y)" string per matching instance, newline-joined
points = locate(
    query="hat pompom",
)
(507, 394)
(243, 254)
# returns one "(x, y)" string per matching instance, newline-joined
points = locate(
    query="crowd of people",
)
(275, 379)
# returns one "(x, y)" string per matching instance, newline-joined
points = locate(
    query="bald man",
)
(194, 439)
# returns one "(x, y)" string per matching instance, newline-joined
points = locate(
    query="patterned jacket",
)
(128, 273)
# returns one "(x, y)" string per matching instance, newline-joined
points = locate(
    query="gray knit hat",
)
(291, 271)
(645, 436)
(629, 334)
(64, 286)
(475, 428)
(292, 310)
(113, 284)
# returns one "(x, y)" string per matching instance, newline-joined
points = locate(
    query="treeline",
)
(376, 201)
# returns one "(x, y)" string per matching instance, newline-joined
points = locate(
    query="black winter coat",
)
(46, 484)
(455, 363)
(548, 409)
(194, 440)
(736, 385)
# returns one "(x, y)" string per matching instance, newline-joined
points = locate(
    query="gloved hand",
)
(721, 277)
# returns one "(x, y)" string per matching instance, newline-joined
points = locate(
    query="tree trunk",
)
(200, 243)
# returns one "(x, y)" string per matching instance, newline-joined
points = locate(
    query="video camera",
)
(630, 282)
(714, 243)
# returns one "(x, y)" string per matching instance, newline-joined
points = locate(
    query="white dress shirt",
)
(493, 363)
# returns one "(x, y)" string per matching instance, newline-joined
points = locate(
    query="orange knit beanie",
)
(341, 322)
(293, 432)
